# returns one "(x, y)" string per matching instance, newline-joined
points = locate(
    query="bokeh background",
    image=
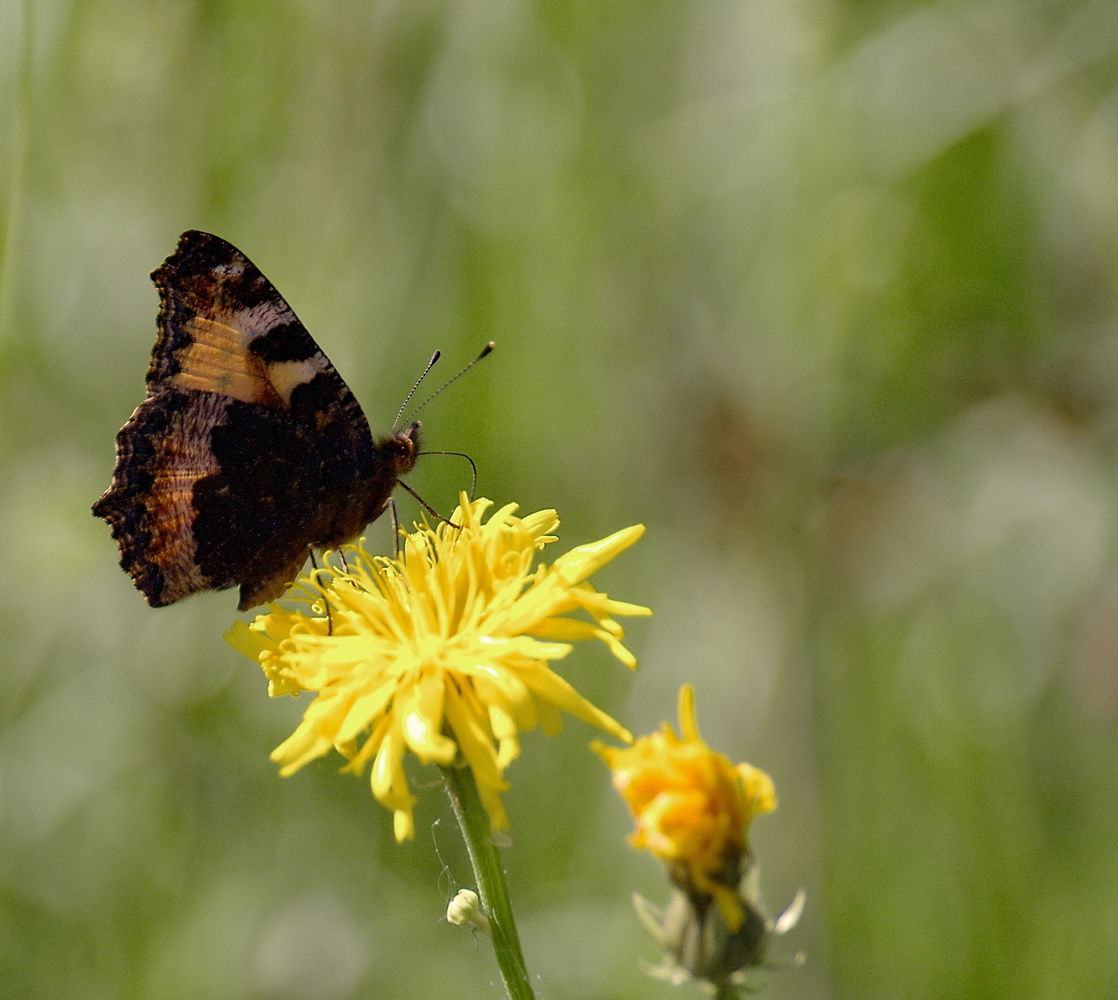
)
(825, 293)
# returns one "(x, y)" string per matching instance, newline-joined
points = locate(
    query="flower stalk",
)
(489, 875)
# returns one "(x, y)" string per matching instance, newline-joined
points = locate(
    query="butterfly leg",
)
(424, 504)
(325, 599)
(395, 527)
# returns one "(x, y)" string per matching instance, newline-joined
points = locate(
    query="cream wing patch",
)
(218, 360)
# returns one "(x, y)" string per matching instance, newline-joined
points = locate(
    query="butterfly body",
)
(249, 450)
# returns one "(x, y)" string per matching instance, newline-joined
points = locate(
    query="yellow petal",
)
(576, 565)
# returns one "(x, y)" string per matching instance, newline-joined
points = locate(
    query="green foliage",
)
(825, 294)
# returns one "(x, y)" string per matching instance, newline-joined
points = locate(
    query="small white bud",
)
(464, 910)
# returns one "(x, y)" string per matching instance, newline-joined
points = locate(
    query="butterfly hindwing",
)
(149, 506)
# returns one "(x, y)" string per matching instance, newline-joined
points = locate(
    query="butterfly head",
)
(394, 456)
(402, 449)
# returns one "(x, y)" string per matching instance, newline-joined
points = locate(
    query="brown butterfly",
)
(249, 450)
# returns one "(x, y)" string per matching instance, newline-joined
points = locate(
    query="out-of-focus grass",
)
(825, 294)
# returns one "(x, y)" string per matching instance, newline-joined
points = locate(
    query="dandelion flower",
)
(693, 809)
(444, 651)
(692, 806)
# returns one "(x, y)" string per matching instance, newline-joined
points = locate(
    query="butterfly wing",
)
(248, 442)
(223, 328)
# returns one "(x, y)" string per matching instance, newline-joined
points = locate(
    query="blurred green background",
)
(824, 293)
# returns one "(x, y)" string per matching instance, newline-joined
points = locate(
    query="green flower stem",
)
(486, 860)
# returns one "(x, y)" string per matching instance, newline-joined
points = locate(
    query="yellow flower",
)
(692, 807)
(443, 651)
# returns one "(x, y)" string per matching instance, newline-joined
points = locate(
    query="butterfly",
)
(249, 450)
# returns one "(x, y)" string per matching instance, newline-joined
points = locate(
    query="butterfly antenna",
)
(485, 352)
(407, 399)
